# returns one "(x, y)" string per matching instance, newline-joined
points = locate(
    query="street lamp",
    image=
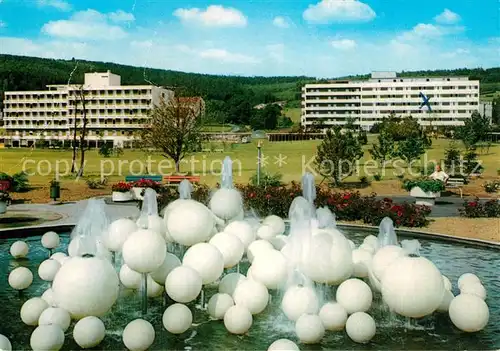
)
(259, 155)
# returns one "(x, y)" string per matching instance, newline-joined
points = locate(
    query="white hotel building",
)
(114, 112)
(452, 100)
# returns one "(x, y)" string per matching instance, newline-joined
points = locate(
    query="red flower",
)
(473, 203)
(346, 196)
(268, 196)
(400, 213)
(251, 195)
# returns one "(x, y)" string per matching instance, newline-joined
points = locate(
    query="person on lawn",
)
(439, 174)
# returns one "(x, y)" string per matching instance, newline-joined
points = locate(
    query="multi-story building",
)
(451, 100)
(114, 112)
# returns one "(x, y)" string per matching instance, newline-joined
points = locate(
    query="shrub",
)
(364, 180)
(377, 177)
(105, 150)
(93, 183)
(18, 182)
(405, 214)
(426, 185)
(492, 187)
(147, 183)
(476, 209)
(267, 179)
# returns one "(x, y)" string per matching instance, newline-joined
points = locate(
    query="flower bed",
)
(122, 192)
(427, 185)
(476, 209)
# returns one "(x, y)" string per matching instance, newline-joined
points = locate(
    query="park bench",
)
(135, 178)
(176, 179)
(456, 183)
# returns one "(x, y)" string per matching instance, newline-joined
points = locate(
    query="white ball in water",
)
(156, 224)
(19, 249)
(469, 313)
(362, 260)
(32, 309)
(243, 230)
(47, 337)
(341, 260)
(89, 332)
(412, 287)
(447, 283)
(130, 278)
(333, 316)
(206, 259)
(371, 240)
(383, 259)
(219, 304)
(270, 268)
(283, 345)
(48, 269)
(360, 327)
(226, 203)
(367, 247)
(477, 289)
(229, 282)
(467, 278)
(183, 284)
(138, 335)
(73, 247)
(50, 240)
(299, 300)
(445, 302)
(20, 278)
(177, 318)
(309, 328)
(169, 263)
(276, 223)
(48, 296)
(257, 247)
(118, 233)
(55, 315)
(190, 223)
(354, 295)
(238, 319)
(252, 295)
(230, 246)
(5, 344)
(144, 251)
(318, 264)
(59, 257)
(154, 289)
(266, 232)
(86, 286)
(279, 241)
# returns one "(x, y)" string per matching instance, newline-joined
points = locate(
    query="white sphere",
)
(238, 319)
(154, 289)
(341, 259)
(447, 283)
(5, 344)
(333, 316)
(156, 224)
(412, 286)
(48, 296)
(206, 259)
(257, 247)
(266, 232)
(477, 289)
(48, 269)
(249, 273)
(86, 286)
(445, 302)
(190, 223)
(59, 257)
(20, 278)
(243, 230)
(230, 246)
(360, 327)
(367, 247)
(279, 241)
(130, 278)
(167, 210)
(252, 295)
(169, 263)
(47, 337)
(73, 247)
(50, 240)
(309, 328)
(271, 269)
(283, 345)
(229, 282)
(469, 313)
(177, 318)
(354, 295)
(226, 203)
(89, 332)
(317, 264)
(138, 335)
(371, 240)
(19, 249)
(299, 300)
(219, 304)
(55, 315)
(276, 223)
(118, 233)
(352, 244)
(32, 309)
(467, 278)
(144, 251)
(183, 284)
(374, 282)
(362, 260)
(384, 257)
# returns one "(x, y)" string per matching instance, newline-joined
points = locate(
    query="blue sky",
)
(321, 38)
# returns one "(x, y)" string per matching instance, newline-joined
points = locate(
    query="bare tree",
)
(174, 128)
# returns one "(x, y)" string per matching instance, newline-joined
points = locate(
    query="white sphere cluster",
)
(219, 304)
(144, 251)
(469, 313)
(309, 328)
(118, 233)
(57, 316)
(226, 203)
(177, 318)
(32, 309)
(355, 296)
(230, 246)
(48, 269)
(47, 337)
(206, 259)
(89, 332)
(183, 284)
(360, 327)
(19, 249)
(229, 282)
(169, 263)
(190, 223)
(238, 319)
(299, 300)
(138, 335)
(333, 316)
(258, 247)
(270, 268)
(243, 230)
(252, 295)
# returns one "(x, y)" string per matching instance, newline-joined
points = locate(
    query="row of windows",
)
(42, 96)
(387, 112)
(68, 133)
(71, 121)
(414, 88)
(417, 104)
(71, 102)
(100, 113)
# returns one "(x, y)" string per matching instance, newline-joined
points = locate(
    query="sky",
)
(318, 38)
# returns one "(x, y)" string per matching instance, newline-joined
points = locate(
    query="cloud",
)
(327, 11)
(447, 17)
(426, 31)
(281, 22)
(225, 56)
(121, 16)
(276, 52)
(90, 24)
(343, 44)
(213, 16)
(57, 4)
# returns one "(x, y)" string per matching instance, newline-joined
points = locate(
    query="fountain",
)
(185, 189)
(387, 234)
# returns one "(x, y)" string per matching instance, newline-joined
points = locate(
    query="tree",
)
(384, 149)
(337, 154)
(174, 128)
(410, 149)
(266, 118)
(451, 157)
(475, 129)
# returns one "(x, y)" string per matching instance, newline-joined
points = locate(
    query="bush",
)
(405, 214)
(426, 185)
(93, 183)
(18, 182)
(377, 177)
(121, 187)
(476, 209)
(364, 180)
(267, 179)
(492, 187)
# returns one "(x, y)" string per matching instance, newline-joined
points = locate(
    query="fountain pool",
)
(393, 332)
